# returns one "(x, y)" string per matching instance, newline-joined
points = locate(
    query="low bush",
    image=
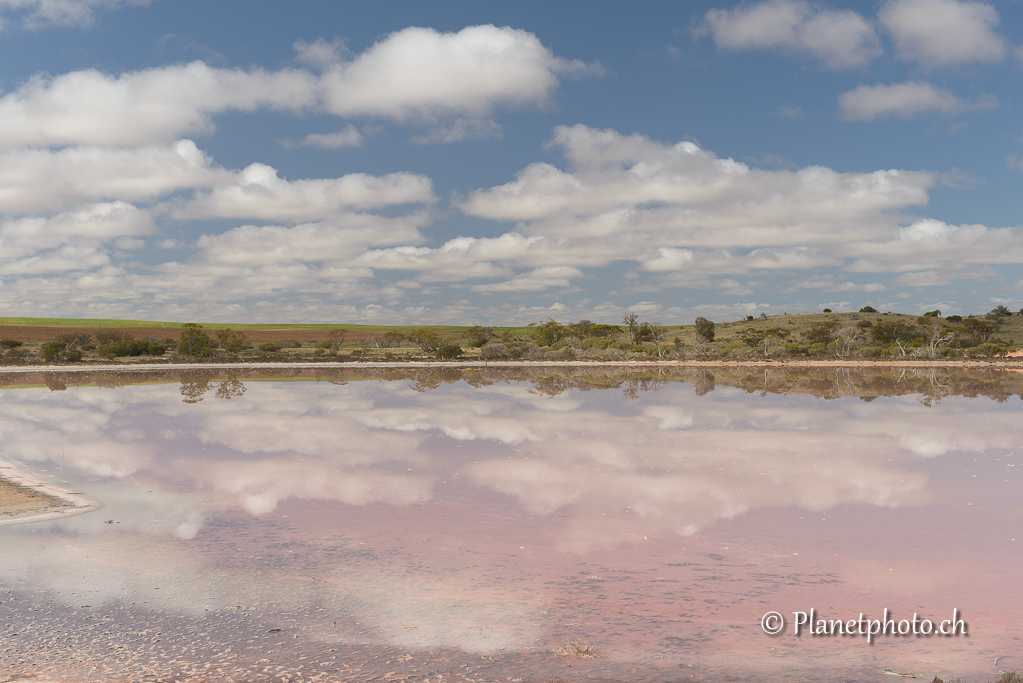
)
(108, 336)
(494, 351)
(733, 349)
(449, 351)
(597, 343)
(132, 347)
(10, 343)
(53, 350)
(269, 347)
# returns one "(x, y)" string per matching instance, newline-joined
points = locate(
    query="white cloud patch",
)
(684, 196)
(904, 100)
(258, 192)
(536, 280)
(71, 241)
(451, 80)
(423, 73)
(40, 13)
(349, 136)
(938, 33)
(320, 54)
(460, 129)
(839, 38)
(40, 180)
(142, 107)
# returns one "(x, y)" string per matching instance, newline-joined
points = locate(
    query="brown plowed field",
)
(45, 334)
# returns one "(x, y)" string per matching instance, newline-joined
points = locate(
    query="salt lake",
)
(513, 523)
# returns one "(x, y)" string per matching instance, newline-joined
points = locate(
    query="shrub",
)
(493, 351)
(427, 340)
(449, 351)
(864, 323)
(132, 347)
(954, 319)
(827, 310)
(336, 337)
(868, 309)
(477, 336)
(733, 349)
(597, 342)
(53, 350)
(821, 333)
(604, 330)
(16, 353)
(110, 336)
(796, 349)
(73, 355)
(549, 332)
(269, 347)
(10, 343)
(194, 342)
(232, 340)
(705, 329)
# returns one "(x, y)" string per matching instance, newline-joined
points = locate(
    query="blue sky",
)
(504, 163)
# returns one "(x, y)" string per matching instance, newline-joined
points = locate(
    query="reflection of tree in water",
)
(633, 387)
(704, 382)
(230, 387)
(867, 383)
(280, 372)
(330, 375)
(427, 380)
(195, 384)
(56, 381)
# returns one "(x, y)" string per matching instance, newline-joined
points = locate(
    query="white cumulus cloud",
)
(904, 100)
(258, 192)
(454, 80)
(38, 13)
(423, 73)
(840, 38)
(938, 33)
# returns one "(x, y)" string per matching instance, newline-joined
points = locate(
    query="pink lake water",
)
(469, 526)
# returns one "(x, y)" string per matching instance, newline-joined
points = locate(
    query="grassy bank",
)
(827, 335)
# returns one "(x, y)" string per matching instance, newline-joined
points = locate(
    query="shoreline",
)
(26, 498)
(1006, 363)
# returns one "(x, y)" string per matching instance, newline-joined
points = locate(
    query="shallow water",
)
(468, 525)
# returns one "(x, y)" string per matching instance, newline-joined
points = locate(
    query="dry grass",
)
(574, 648)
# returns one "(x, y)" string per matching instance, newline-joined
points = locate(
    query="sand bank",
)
(25, 497)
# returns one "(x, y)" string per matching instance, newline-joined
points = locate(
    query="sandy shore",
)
(25, 497)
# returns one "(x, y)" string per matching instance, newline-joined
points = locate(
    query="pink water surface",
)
(323, 532)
